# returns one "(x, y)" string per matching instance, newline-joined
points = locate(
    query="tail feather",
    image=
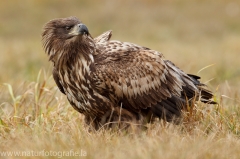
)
(205, 95)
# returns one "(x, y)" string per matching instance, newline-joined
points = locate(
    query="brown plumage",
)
(112, 81)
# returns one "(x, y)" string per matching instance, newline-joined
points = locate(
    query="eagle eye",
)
(68, 28)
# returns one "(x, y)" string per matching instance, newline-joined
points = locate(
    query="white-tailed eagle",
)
(111, 81)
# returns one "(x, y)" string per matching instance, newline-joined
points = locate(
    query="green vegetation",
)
(35, 116)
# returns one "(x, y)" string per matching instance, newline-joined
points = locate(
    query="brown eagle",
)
(112, 81)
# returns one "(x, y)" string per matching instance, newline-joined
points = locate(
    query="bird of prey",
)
(111, 81)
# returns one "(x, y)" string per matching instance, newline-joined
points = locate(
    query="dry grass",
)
(35, 116)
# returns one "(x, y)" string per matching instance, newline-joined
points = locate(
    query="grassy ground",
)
(36, 118)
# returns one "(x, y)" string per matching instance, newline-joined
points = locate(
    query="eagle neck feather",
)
(74, 66)
(79, 57)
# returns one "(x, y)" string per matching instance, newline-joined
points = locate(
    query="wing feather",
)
(103, 37)
(137, 76)
(57, 80)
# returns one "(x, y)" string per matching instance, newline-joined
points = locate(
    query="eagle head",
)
(63, 33)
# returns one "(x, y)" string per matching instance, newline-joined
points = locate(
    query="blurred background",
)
(193, 34)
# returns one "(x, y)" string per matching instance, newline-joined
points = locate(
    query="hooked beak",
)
(79, 29)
